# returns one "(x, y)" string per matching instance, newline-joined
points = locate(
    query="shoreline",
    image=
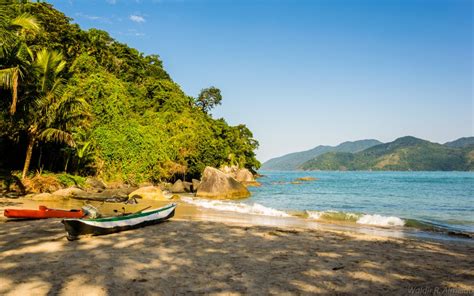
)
(191, 212)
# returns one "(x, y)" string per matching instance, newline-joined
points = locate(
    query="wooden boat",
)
(43, 213)
(101, 226)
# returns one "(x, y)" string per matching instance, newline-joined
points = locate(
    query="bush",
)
(42, 183)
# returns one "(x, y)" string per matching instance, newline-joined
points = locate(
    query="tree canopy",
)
(101, 107)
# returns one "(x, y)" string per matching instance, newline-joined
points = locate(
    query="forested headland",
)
(83, 103)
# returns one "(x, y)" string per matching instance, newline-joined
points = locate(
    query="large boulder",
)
(216, 184)
(242, 175)
(149, 192)
(165, 186)
(229, 170)
(69, 192)
(178, 187)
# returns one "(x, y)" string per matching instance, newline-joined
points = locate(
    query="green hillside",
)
(293, 161)
(81, 102)
(461, 142)
(403, 154)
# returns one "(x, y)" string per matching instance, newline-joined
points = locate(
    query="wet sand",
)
(205, 252)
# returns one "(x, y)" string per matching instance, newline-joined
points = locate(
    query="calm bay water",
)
(439, 198)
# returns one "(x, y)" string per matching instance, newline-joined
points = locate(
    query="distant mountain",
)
(294, 160)
(403, 154)
(461, 142)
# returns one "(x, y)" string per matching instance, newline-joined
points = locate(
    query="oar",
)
(124, 214)
(142, 210)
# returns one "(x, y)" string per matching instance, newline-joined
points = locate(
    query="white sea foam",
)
(376, 220)
(219, 205)
(380, 220)
(314, 214)
(332, 215)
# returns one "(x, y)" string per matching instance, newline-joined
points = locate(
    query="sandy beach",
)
(191, 254)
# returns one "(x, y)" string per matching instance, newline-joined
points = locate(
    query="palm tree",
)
(15, 55)
(51, 114)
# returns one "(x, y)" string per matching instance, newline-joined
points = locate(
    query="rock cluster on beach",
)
(148, 192)
(229, 182)
(218, 185)
(241, 175)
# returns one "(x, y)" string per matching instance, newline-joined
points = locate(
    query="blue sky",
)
(304, 73)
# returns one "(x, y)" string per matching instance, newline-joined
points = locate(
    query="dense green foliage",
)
(134, 123)
(403, 154)
(293, 161)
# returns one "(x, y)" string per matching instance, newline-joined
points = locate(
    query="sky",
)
(303, 73)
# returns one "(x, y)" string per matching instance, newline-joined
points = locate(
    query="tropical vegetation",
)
(81, 102)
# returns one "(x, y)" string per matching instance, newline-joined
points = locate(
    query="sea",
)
(441, 202)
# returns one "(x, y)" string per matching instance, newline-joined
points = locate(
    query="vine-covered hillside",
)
(80, 101)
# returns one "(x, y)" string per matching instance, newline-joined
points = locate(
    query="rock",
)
(145, 184)
(216, 184)
(149, 192)
(178, 187)
(175, 197)
(244, 175)
(46, 197)
(195, 184)
(118, 192)
(95, 183)
(69, 192)
(230, 170)
(307, 179)
(165, 186)
(252, 184)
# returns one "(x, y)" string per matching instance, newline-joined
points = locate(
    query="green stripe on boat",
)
(131, 216)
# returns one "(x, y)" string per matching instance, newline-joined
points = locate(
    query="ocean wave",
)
(333, 216)
(379, 220)
(255, 208)
(376, 220)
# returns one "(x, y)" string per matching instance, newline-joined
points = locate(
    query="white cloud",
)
(137, 19)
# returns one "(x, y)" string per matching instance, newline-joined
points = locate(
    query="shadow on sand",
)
(180, 257)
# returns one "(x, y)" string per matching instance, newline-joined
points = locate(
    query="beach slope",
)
(186, 256)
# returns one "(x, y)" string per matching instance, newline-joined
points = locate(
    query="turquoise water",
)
(444, 199)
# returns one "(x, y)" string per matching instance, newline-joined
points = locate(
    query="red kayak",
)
(43, 213)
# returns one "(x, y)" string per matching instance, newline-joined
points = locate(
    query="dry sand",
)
(189, 255)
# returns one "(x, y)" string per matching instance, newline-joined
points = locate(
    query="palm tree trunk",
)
(67, 162)
(14, 90)
(29, 153)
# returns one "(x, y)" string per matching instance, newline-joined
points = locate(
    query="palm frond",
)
(9, 80)
(57, 135)
(6, 77)
(26, 22)
(49, 64)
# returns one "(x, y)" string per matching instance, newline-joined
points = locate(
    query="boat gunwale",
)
(127, 217)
